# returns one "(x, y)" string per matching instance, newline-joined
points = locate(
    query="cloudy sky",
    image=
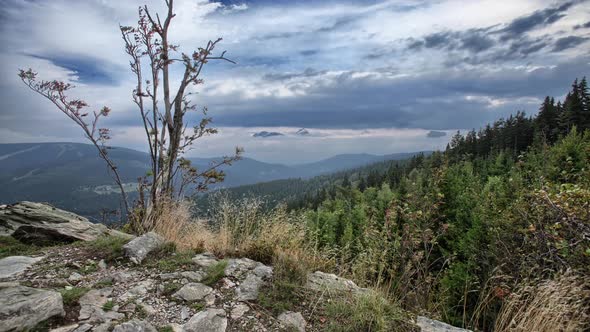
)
(361, 76)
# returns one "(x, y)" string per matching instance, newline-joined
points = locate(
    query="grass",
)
(104, 283)
(214, 273)
(71, 296)
(367, 312)
(10, 246)
(171, 288)
(110, 248)
(198, 306)
(166, 328)
(108, 306)
(559, 304)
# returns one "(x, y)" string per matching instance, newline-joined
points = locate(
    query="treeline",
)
(468, 232)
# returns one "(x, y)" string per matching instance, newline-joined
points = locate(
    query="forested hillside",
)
(483, 234)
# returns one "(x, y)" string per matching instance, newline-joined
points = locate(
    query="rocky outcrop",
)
(254, 275)
(135, 325)
(139, 248)
(193, 292)
(321, 281)
(431, 325)
(210, 320)
(294, 320)
(42, 223)
(22, 308)
(13, 265)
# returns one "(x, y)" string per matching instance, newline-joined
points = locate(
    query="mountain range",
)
(73, 177)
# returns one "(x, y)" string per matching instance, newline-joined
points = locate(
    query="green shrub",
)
(71, 296)
(215, 272)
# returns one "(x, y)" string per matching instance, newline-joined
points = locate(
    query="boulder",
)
(248, 289)
(21, 308)
(321, 281)
(193, 292)
(205, 259)
(431, 325)
(135, 325)
(209, 320)
(138, 249)
(42, 223)
(293, 319)
(91, 307)
(13, 265)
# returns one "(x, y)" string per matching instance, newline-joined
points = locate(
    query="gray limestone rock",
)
(13, 265)
(138, 249)
(193, 292)
(21, 308)
(293, 319)
(209, 320)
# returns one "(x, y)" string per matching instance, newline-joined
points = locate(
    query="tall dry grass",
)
(559, 304)
(241, 229)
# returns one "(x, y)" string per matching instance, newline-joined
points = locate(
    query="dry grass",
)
(560, 304)
(240, 229)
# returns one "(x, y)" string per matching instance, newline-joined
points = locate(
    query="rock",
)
(239, 310)
(294, 319)
(209, 320)
(175, 327)
(67, 328)
(263, 271)
(102, 265)
(431, 325)
(139, 290)
(135, 325)
(321, 281)
(122, 276)
(248, 289)
(83, 328)
(193, 276)
(21, 308)
(138, 248)
(169, 276)
(75, 277)
(91, 305)
(42, 223)
(13, 265)
(205, 259)
(239, 267)
(193, 292)
(185, 313)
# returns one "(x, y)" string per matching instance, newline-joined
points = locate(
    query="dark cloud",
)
(436, 134)
(88, 70)
(535, 20)
(309, 72)
(582, 26)
(568, 42)
(446, 99)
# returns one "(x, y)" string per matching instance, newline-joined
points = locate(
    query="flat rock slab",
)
(135, 325)
(42, 223)
(205, 259)
(321, 281)
(13, 265)
(293, 319)
(210, 320)
(249, 288)
(193, 292)
(91, 307)
(430, 325)
(21, 308)
(138, 249)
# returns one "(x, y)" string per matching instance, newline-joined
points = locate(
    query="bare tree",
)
(169, 135)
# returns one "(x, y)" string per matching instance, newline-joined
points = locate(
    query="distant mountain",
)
(302, 132)
(73, 177)
(267, 134)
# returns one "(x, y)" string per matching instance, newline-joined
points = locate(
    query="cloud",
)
(330, 66)
(568, 42)
(535, 20)
(435, 134)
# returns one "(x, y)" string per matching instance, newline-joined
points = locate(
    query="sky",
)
(367, 76)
